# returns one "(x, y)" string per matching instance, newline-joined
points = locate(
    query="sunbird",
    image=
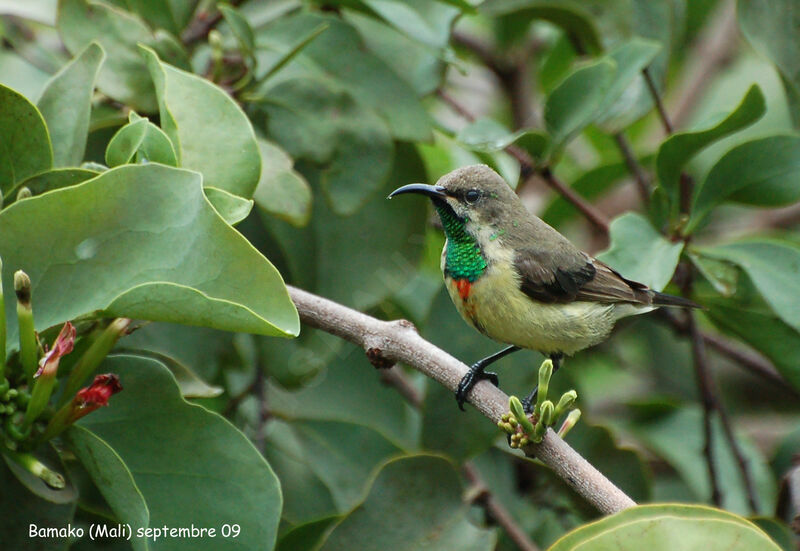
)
(520, 282)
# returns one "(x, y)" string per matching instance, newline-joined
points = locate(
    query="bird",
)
(520, 282)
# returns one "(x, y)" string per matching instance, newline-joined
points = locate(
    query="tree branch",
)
(398, 341)
(639, 175)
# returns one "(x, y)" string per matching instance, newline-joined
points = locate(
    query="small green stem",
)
(28, 349)
(2, 325)
(545, 373)
(37, 469)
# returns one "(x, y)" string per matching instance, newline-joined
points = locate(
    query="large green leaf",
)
(350, 142)
(191, 465)
(124, 76)
(24, 143)
(338, 60)
(679, 148)
(640, 253)
(575, 103)
(113, 480)
(763, 172)
(414, 502)
(773, 266)
(666, 527)
(210, 132)
(770, 26)
(66, 103)
(140, 241)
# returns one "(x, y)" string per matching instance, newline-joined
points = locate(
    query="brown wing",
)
(552, 278)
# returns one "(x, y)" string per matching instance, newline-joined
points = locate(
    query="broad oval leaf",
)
(24, 142)
(215, 474)
(140, 241)
(640, 253)
(282, 192)
(666, 527)
(66, 104)
(414, 502)
(679, 148)
(140, 141)
(232, 208)
(210, 132)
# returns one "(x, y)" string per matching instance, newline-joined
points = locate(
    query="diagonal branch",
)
(398, 341)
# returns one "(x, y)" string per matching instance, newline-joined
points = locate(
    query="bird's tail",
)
(662, 299)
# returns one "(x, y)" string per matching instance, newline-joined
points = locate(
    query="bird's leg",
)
(476, 373)
(528, 402)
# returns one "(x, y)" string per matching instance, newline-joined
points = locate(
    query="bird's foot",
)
(527, 423)
(475, 374)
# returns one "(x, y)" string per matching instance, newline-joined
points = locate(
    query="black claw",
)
(469, 380)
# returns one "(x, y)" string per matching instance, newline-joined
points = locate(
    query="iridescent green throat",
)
(463, 259)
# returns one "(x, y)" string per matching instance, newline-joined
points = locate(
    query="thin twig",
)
(394, 377)
(496, 511)
(202, 24)
(752, 361)
(662, 113)
(708, 401)
(639, 175)
(398, 341)
(741, 461)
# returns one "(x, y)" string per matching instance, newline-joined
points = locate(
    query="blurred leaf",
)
(25, 148)
(723, 276)
(66, 103)
(19, 508)
(50, 180)
(172, 15)
(640, 253)
(679, 148)
(124, 76)
(769, 25)
(305, 537)
(425, 21)
(215, 473)
(140, 141)
(281, 191)
(667, 527)
(631, 57)
(42, 11)
(778, 531)
(148, 260)
(489, 135)
(47, 454)
(765, 332)
(358, 260)
(773, 266)
(574, 103)
(576, 21)
(678, 438)
(414, 501)
(763, 172)
(232, 208)
(221, 143)
(272, 56)
(350, 142)
(339, 57)
(240, 27)
(21, 75)
(113, 479)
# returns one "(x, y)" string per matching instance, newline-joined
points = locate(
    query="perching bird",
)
(518, 281)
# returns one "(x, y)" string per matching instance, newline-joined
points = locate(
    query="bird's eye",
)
(472, 195)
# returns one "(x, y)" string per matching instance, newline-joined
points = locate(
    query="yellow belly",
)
(496, 306)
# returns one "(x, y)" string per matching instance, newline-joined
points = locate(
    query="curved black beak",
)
(423, 189)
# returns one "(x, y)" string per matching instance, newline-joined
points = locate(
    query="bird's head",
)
(474, 194)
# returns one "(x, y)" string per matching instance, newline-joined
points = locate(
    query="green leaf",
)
(414, 502)
(141, 241)
(488, 135)
(240, 27)
(232, 208)
(339, 57)
(24, 143)
(273, 56)
(765, 332)
(171, 15)
(772, 266)
(575, 103)
(36, 10)
(140, 141)
(630, 57)
(425, 21)
(665, 527)
(221, 143)
(281, 191)
(124, 76)
(19, 508)
(66, 103)
(574, 19)
(679, 148)
(640, 253)
(770, 27)
(762, 172)
(215, 474)
(350, 142)
(50, 180)
(305, 536)
(112, 478)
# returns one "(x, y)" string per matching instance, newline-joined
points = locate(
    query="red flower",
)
(96, 395)
(61, 347)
